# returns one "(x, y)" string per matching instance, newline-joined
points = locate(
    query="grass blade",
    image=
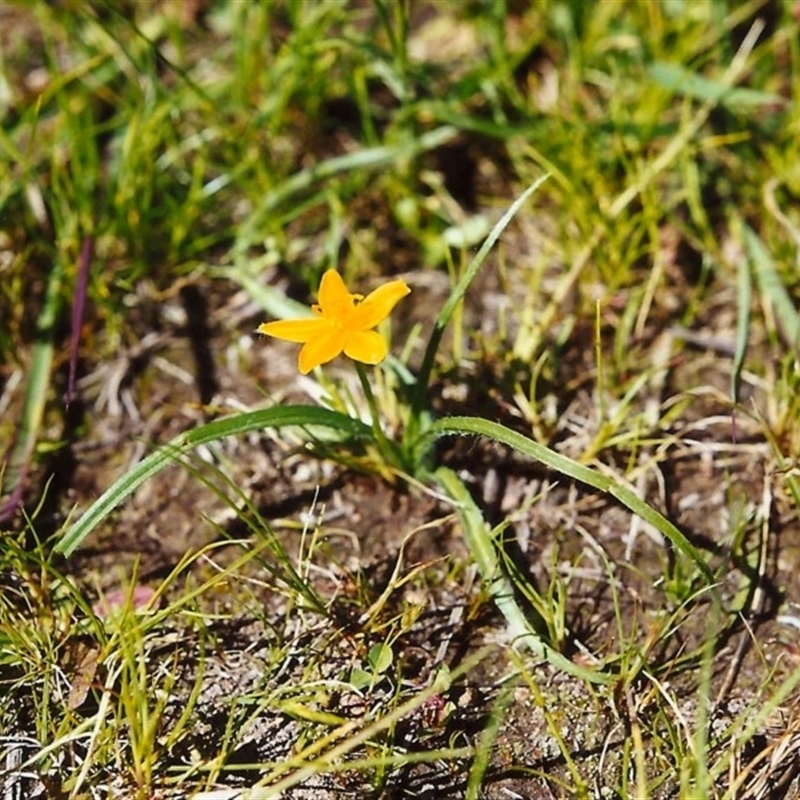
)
(679, 79)
(743, 299)
(771, 287)
(17, 461)
(458, 293)
(371, 158)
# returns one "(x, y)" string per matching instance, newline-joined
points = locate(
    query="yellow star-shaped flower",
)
(343, 322)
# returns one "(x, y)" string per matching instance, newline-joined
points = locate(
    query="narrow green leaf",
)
(35, 396)
(572, 469)
(743, 300)
(371, 158)
(478, 539)
(271, 299)
(771, 286)
(457, 295)
(278, 417)
(679, 79)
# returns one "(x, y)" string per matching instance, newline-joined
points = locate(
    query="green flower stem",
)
(386, 448)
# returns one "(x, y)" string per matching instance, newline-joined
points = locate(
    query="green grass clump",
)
(589, 416)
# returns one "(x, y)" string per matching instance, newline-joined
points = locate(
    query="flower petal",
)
(323, 348)
(377, 305)
(334, 299)
(295, 330)
(369, 347)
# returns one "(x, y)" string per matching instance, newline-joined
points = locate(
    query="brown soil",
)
(551, 733)
(707, 669)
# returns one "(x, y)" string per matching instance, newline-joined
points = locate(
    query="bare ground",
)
(554, 738)
(194, 358)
